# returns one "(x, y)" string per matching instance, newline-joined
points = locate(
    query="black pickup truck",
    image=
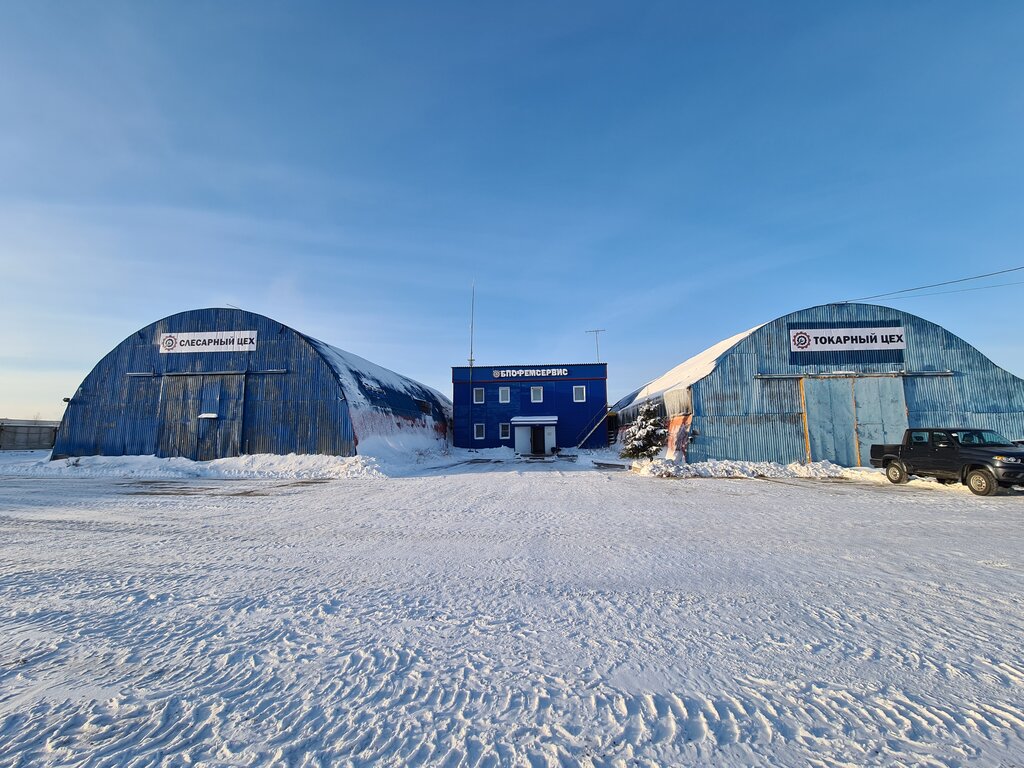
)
(981, 459)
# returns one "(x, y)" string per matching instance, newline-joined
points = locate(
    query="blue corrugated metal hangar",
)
(534, 409)
(211, 383)
(825, 383)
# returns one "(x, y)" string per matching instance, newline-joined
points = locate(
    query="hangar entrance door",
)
(880, 405)
(201, 415)
(844, 416)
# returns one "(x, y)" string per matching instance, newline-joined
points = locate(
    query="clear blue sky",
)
(672, 172)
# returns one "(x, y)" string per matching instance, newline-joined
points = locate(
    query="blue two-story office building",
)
(534, 409)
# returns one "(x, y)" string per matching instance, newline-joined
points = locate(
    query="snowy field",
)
(348, 612)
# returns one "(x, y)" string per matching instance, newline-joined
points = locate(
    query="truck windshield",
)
(979, 437)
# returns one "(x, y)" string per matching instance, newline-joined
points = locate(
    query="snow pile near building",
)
(724, 469)
(256, 467)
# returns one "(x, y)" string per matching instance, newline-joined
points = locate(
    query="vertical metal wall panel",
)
(881, 412)
(180, 407)
(223, 395)
(777, 438)
(720, 397)
(740, 412)
(760, 420)
(776, 396)
(831, 421)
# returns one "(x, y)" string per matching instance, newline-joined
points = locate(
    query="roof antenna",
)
(472, 318)
(596, 333)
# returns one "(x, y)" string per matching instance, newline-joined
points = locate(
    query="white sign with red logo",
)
(846, 339)
(209, 341)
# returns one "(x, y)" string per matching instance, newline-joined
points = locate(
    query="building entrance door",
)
(537, 440)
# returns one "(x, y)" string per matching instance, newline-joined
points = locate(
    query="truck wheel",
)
(896, 472)
(981, 482)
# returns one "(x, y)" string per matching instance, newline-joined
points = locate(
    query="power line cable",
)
(962, 290)
(935, 285)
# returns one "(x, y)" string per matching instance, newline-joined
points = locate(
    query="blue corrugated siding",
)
(300, 411)
(742, 417)
(778, 437)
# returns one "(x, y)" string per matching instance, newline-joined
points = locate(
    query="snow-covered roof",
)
(367, 384)
(685, 374)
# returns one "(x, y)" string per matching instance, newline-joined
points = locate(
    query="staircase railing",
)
(602, 417)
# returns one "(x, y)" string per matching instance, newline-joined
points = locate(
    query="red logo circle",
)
(801, 340)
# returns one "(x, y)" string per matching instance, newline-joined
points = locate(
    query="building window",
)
(506, 431)
(478, 431)
(503, 395)
(536, 394)
(478, 395)
(579, 394)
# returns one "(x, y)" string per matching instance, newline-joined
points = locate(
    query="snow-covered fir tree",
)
(645, 436)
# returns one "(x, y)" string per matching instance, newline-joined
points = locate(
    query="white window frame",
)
(534, 391)
(505, 431)
(476, 391)
(504, 395)
(582, 389)
(479, 431)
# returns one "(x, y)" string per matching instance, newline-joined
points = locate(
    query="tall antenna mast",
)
(596, 333)
(472, 319)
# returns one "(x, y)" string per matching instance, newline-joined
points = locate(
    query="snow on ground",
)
(470, 610)
(38, 464)
(763, 469)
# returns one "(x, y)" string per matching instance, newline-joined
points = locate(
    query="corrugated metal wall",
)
(740, 416)
(736, 415)
(282, 397)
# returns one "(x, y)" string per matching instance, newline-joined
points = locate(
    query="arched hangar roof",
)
(930, 348)
(215, 382)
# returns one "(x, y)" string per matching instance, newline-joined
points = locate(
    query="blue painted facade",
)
(288, 393)
(764, 401)
(578, 422)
